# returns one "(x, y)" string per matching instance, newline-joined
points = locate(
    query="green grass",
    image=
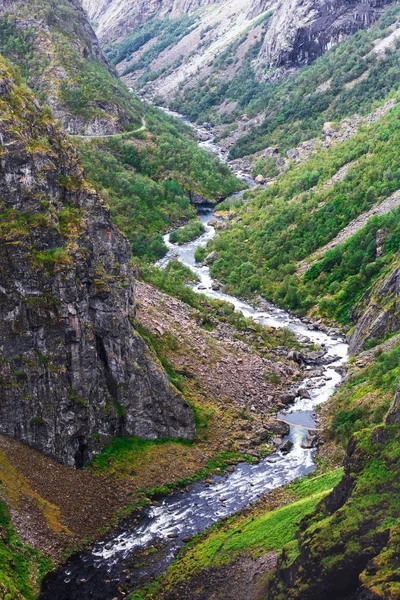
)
(21, 568)
(256, 533)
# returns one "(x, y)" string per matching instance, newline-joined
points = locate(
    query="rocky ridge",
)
(66, 67)
(73, 372)
(300, 32)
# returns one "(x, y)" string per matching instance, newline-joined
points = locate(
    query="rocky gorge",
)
(72, 368)
(177, 399)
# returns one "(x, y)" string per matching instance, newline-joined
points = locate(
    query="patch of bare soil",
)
(54, 507)
(244, 579)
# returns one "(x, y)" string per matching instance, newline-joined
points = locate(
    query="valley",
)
(199, 291)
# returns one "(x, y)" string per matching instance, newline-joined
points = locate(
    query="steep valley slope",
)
(149, 385)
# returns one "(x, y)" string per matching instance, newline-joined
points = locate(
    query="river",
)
(117, 564)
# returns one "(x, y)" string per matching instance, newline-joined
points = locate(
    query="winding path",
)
(113, 135)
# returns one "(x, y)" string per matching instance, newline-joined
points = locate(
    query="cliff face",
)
(300, 32)
(73, 372)
(378, 312)
(114, 18)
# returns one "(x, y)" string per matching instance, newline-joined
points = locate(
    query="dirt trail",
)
(113, 135)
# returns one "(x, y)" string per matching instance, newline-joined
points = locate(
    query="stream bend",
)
(98, 574)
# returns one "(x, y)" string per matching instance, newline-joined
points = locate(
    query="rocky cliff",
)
(73, 372)
(378, 313)
(349, 547)
(300, 32)
(114, 18)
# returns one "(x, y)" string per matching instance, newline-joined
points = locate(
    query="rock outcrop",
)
(393, 415)
(300, 32)
(73, 371)
(378, 312)
(348, 548)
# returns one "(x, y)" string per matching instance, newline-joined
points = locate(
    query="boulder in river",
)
(310, 441)
(260, 179)
(288, 398)
(211, 258)
(296, 356)
(286, 447)
(303, 393)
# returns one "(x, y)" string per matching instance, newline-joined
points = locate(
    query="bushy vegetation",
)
(297, 215)
(200, 103)
(21, 568)
(18, 45)
(366, 396)
(165, 33)
(187, 233)
(89, 89)
(297, 108)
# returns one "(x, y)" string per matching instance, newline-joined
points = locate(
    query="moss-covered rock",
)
(348, 546)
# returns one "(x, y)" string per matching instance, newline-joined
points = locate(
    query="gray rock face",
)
(393, 415)
(116, 17)
(73, 371)
(377, 313)
(300, 32)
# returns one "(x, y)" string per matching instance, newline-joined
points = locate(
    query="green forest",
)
(296, 216)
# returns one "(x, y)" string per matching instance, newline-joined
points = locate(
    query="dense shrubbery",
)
(148, 184)
(187, 233)
(284, 224)
(17, 44)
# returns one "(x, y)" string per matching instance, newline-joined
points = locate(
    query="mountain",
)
(73, 371)
(110, 364)
(169, 49)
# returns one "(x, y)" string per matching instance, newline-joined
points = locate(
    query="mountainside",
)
(73, 372)
(120, 367)
(112, 19)
(169, 49)
(58, 52)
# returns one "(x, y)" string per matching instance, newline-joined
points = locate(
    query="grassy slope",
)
(21, 568)
(147, 176)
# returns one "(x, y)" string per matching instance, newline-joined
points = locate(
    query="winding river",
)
(143, 545)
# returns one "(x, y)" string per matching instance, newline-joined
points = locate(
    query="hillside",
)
(141, 421)
(126, 145)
